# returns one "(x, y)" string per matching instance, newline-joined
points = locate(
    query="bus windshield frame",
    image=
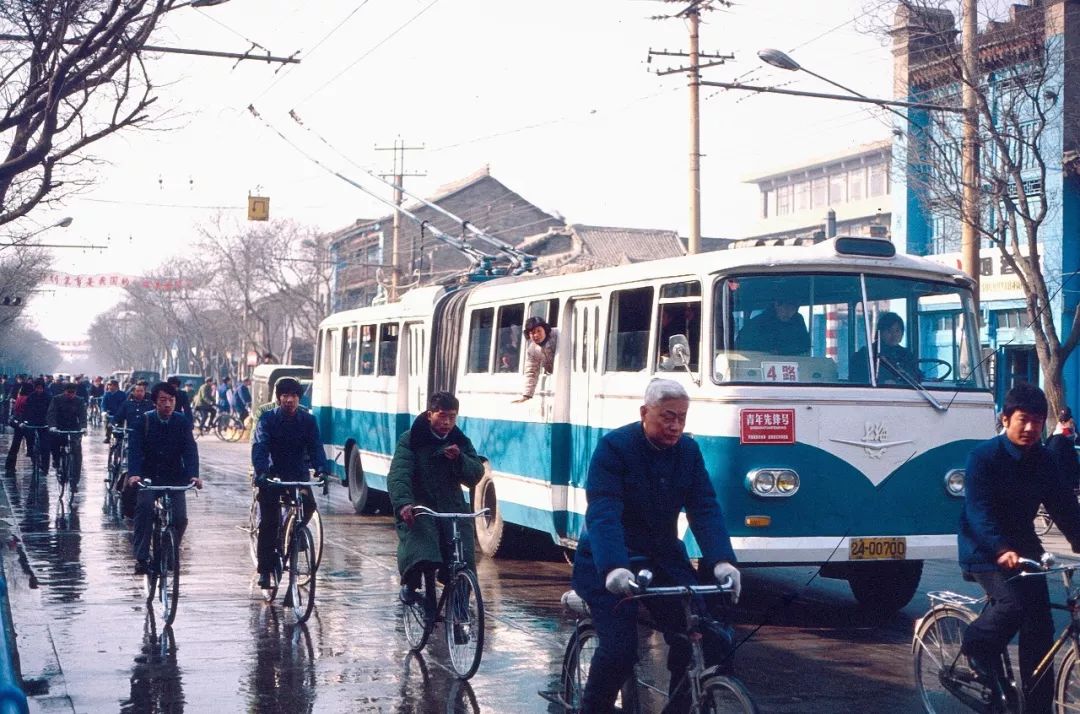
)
(812, 328)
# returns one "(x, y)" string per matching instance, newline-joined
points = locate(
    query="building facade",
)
(1027, 159)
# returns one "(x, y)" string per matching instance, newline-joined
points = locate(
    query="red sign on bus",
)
(767, 426)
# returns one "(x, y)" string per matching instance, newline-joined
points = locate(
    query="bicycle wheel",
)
(464, 623)
(575, 671)
(943, 677)
(1043, 521)
(301, 595)
(61, 472)
(151, 577)
(169, 575)
(417, 625)
(724, 694)
(253, 528)
(1067, 687)
(316, 527)
(72, 474)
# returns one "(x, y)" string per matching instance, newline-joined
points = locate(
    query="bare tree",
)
(24, 350)
(20, 274)
(71, 74)
(1025, 134)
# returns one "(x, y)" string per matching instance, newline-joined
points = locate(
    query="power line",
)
(362, 57)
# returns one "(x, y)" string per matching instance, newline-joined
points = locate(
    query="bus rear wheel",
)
(884, 588)
(490, 528)
(358, 488)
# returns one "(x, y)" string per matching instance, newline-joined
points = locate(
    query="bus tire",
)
(358, 488)
(884, 588)
(490, 528)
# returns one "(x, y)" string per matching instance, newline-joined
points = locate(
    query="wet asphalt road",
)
(89, 642)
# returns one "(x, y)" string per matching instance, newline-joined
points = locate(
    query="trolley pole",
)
(399, 175)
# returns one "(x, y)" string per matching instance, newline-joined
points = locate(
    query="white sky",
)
(555, 96)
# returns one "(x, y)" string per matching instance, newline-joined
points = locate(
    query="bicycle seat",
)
(573, 603)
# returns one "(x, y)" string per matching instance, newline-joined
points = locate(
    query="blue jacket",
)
(130, 411)
(164, 452)
(635, 493)
(1004, 487)
(287, 447)
(112, 401)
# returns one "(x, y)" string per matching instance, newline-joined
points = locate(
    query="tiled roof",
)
(604, 245)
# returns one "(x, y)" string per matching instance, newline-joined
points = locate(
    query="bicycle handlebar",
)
(143, 484)
(25, 425)
(425, 511)
(644, 579)
(66, 432)
(278, 482)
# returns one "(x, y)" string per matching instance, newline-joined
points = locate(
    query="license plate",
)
(878, 549)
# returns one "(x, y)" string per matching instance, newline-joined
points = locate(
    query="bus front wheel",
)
(489, 528)
(358, 488)
(884, 588)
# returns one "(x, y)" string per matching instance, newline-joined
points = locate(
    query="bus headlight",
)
(772, 482)
(954, 483)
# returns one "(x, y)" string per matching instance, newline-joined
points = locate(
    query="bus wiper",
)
(912, 383)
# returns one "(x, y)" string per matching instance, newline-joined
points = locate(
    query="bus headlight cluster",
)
(772, 482)
(954, 483)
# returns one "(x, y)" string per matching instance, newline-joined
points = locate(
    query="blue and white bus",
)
(822, 457)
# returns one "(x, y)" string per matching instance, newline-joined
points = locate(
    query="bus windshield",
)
(845, 330)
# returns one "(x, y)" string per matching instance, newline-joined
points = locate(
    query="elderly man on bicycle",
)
(1006, 479)
(641, 477)
(162, 449)
(285, 445)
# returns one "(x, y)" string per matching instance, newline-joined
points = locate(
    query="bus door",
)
(584, 363)
(415, 372)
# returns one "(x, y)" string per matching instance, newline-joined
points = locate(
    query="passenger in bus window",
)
(779, 330)
(540, 354)
(679, 319)
(896, 360)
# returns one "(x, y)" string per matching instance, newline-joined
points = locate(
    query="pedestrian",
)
(1006, 478)
(161, 448)
(539, 355)
(1062, 446)
(431, 464)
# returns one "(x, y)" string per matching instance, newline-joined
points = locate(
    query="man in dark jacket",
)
(285, 445)
(1062, 446)
(779, 330)
(431, 463)
(183, 403)
(641, 477)
(1006, 479)
(132, 409)
(67, 412)
(161, 448)
(33, 408)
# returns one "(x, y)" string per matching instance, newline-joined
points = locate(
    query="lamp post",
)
(62, 223)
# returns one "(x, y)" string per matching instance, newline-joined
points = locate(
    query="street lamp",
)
(62, 223)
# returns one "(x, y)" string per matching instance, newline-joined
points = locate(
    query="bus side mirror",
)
(679, 350)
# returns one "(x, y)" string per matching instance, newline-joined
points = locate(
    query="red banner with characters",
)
(114, 280)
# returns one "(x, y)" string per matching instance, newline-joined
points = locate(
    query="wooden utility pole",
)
(969, 156)
(399, 175)
(692, 13)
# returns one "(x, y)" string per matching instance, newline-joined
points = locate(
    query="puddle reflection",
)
(156, 682)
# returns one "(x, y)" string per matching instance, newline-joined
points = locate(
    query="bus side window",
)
(628, 330)
(546, 309)
(367, 349)
(349, 346)
(388, 347)
(481, 324)
(679, 314)
(318, 350)
(508, 338)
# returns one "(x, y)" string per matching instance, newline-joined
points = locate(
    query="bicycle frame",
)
(458, 563)
(1071, 631)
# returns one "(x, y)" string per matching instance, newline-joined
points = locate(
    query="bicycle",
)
(67, 471)
(944, 677)
(39, 457)
(710, 690)
(93, 412)
(460, 604)
(116, 465)
(229, 427)
(1044, 522)
(163, 572)
(295, 551)
(255, 517)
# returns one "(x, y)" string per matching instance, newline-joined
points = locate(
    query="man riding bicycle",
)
(1006, 479)
(431, 463)
(31, 409)
(110, 405)
(67, 412)
(642, 475)
(285, 445)
(161, 448)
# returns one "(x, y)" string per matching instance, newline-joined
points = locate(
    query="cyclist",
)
(224, 396)
(67, 412)
(286, 444)
(183, 403)
(110, 405)
(642, 475)
(433, 460)
(161, 448)
(204, 404)
(243, 398)
(132, 409)
(1006, 479)
(31, 406)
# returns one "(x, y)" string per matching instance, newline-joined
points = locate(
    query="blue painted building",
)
(1031, 96)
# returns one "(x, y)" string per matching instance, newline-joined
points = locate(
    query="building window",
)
(766, 200)
(819, 192)
(879, 180)
(838, 189)
(783, 200)
(856, 180)
(802, 196)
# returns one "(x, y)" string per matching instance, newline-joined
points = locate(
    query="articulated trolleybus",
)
(821, 450)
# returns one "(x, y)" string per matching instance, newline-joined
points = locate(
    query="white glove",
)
(620, 581)
(722, 572)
